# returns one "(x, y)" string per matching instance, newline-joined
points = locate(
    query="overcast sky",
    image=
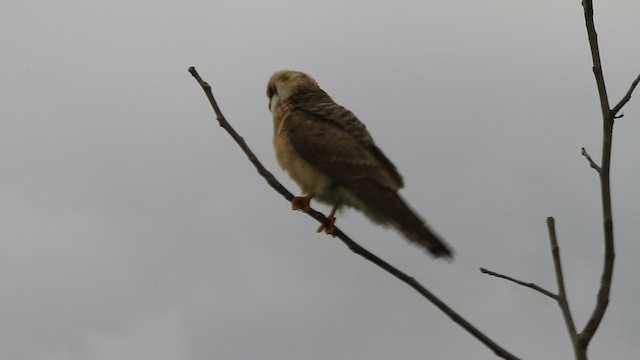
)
(132, 227)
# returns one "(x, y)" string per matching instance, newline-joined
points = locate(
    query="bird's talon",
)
(302, 203)
(328, 230)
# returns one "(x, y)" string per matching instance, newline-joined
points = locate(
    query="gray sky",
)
(132, 227)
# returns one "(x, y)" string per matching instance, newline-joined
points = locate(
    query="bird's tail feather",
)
(388, 207)
(414, 229)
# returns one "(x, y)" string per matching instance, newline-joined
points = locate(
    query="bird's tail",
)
(388, 207)
(415, 229)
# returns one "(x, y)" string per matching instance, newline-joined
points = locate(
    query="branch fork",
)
(580, 341)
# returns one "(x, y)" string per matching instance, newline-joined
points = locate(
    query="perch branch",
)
(352, 245)
(519, 282)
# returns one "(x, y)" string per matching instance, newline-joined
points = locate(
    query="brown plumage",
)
(332, 157)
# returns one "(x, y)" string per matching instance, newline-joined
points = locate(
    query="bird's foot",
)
(330, 230)
(302, 202)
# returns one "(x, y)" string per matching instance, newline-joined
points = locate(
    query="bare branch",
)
(353, 246)
(605, 187)
(519, 282)
(590, 160)
(625, 99)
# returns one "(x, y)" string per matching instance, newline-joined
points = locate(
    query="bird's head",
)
(285, 83)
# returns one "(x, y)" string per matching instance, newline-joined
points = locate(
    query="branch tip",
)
(522, 283)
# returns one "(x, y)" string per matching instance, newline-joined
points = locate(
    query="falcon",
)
(330, 154)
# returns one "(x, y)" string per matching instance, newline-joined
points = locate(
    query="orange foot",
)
(302, 202)
(332, 219)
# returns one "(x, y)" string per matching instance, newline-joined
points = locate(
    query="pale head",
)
(285, 83)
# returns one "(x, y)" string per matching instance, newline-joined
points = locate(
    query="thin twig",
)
(590, 160)
(353, 246)
(625, 99)
(562, 295)
(519, 282)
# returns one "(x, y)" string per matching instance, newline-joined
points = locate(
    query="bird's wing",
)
(348, 159)
(344, 119)
(343, 155)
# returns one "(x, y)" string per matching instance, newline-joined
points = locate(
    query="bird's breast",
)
(309, 177)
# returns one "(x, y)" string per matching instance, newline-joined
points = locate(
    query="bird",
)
(330, 154)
